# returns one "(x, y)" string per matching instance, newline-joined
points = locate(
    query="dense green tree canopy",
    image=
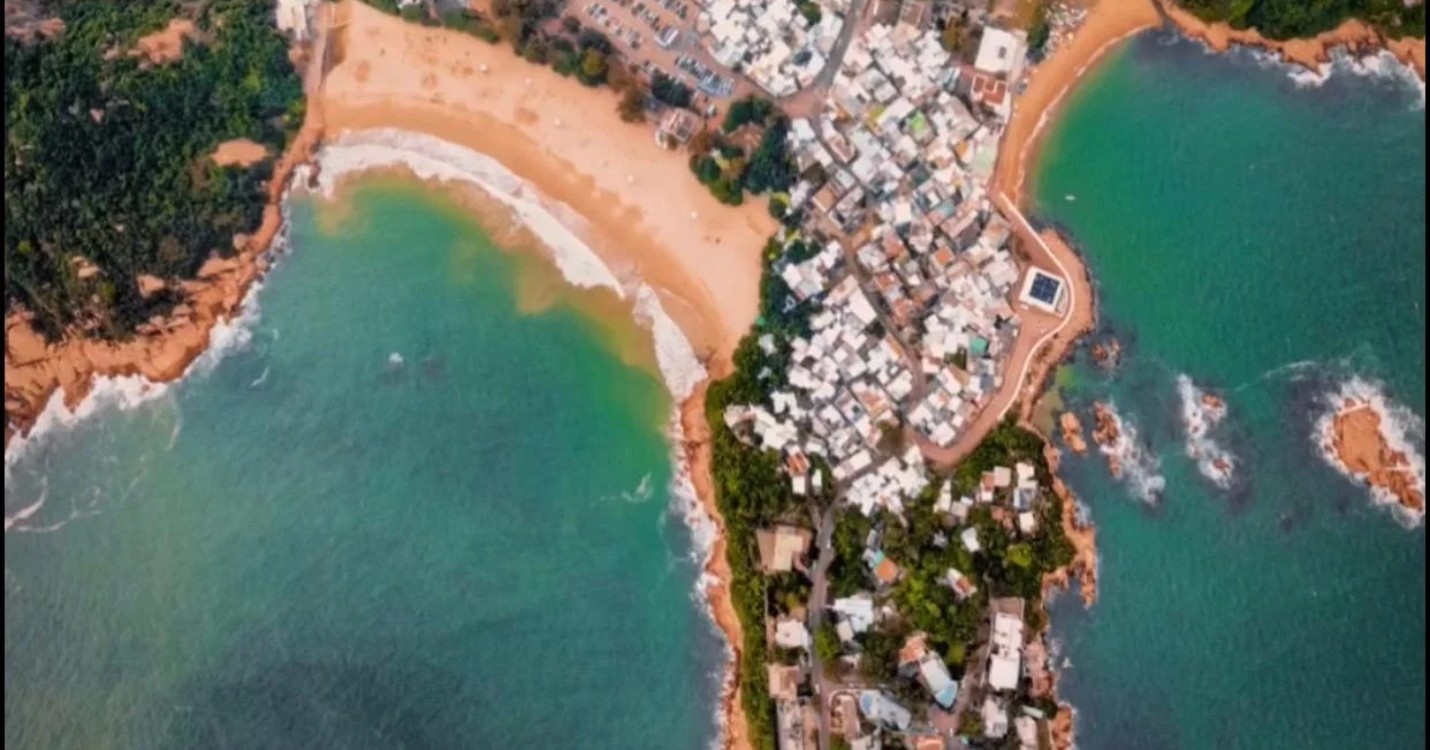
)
(107, 157)
(1286, 19)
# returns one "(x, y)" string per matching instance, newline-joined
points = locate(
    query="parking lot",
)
(660, 35)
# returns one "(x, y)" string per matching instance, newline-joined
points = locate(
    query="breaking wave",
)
(1202, 411)
(557, 226)
(1382, 65)
(1402, 430)
(22, 515)
(1137, 465)
(129, 392)
(432, 158)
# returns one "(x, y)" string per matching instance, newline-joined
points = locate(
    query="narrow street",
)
(809, 101)
(824, 522)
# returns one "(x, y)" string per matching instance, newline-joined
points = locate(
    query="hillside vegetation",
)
(1289, 19)
(108, 174)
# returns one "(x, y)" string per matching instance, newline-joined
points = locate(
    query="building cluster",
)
(911, 275)
(998, 713)
(903, 263)
(1009, 664)
(771, 42)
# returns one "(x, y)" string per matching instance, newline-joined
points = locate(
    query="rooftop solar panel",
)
(1044, 289)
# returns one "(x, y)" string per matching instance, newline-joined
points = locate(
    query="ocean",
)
(403, 506)
(1259, 234)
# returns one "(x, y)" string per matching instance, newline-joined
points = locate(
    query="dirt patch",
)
(239, 152)
(25, 21)
(149, 285)
(167, 44)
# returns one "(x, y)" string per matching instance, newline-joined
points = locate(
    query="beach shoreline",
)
(637, 206)
(698, 453)
(1108, 24)
(633, 198)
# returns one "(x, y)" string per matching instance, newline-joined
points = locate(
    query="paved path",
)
(809, 101)
(819, 591)
(1069, 283)
(1036, 330)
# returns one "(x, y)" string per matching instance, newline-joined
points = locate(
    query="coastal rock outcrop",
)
(1079, 532)
(162, 349)
(1107, 354)
(1107, 432)
(1071, 428)
(1361, 445)
(1354, 36)
(1201, 411)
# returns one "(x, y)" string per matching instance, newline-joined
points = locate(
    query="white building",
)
(1001, 51)
(292, 18)
(791, 633)
(995, 718)
(1006, 652)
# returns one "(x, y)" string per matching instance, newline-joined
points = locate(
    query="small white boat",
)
(1069, 197)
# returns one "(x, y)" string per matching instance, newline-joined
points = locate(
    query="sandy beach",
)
(647, 217)
(1108, 22)
(1044, 340)
(636, 204)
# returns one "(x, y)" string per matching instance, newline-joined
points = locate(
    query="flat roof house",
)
(1006, 644)
(781, 546)
(881, 709)
(1001, 51)
(676, 129)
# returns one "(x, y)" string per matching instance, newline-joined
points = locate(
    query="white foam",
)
(1403, 430)
(1304, 78)
(1141, 469)
(640, 494)
(557, 225)
(21, 515)
(1381, 65)
(123, 392)
(129, 392)
(432, 158)
(703, 533)
(679, 366)
(1378, 65)
(1198, 418)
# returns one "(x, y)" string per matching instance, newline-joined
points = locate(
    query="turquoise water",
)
(313, 546)
(1269, 242)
